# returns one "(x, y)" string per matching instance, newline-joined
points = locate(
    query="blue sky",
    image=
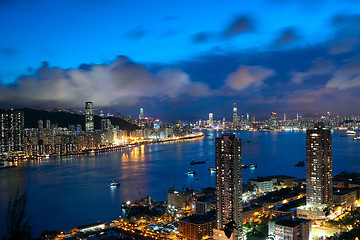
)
(181, 59)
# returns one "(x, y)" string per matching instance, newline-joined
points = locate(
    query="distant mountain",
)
(64, 119)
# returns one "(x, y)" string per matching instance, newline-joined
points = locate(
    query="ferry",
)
(350, 132)
(114, 184)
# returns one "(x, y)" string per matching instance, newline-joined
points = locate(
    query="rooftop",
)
(200, 219)
(293, 222)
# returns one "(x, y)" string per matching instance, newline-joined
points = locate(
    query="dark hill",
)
(64, 119)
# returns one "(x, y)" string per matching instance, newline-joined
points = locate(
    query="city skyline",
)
(280, 56)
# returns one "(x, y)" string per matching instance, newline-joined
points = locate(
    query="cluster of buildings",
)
(247, 121)
(294, 206)
(49, 139)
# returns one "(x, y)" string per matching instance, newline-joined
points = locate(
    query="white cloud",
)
(247, 76)
(122, 82)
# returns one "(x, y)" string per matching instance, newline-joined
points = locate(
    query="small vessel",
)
(114, 184)
(244, 166)
(191, 172)
(252, 166)
(212, 169)
(300, 164)
(350, 132)
(198, 162)
(356, 138)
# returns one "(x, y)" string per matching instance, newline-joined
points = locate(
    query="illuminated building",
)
(48, 124)
(235, 115)
(319, 185)
(105, 124)
(287, 227)
(228, 183)
(40, 124)
(89, 117)
(141, 115)
(11, 131)
(197, 227)
(273, 120)
(211, 119)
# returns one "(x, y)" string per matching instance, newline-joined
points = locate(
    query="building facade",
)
(319, 185)
(11, 131)
(89, 117)
(290, 228)
(197, 227)
(228, 182)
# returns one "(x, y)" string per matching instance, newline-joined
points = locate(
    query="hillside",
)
(64, 119)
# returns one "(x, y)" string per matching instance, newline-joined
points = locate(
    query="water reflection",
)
(74, 190)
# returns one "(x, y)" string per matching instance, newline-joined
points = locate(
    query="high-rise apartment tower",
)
(11, 131)
(318, 166)
(228, 182)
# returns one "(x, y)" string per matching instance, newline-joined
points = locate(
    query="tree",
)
(17, 220)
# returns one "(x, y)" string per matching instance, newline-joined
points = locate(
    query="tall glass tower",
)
(318, 166)
(89, 117)
(228, 182)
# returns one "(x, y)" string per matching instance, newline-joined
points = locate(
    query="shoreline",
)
(110, 148)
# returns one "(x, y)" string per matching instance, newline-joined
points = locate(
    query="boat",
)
(212, 169)
(350, 132)
(114, 184)
(198, 162)
(356, 138)
(244, 166)
(300, 164)
(191, 172)
(252, 166)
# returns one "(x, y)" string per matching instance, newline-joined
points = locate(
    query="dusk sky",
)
(182, 59)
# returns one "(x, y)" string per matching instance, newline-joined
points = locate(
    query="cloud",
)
(347, 76)
(287, 36)
(246, 76)
(347, 33)
(240, 24)
(121, 83)
(201, 37)
(320, 67)
(136, 33)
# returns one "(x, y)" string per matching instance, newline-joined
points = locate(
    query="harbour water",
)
(70, 191)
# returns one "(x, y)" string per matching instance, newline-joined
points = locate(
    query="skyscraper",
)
(318, 166)
(211, 119)
(141, 115)
(273, 121)
(11, 131)
(89, 117)
(235, 115)
(228, 182)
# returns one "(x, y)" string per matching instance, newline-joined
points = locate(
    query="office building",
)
(11, 131)
(89, 117)
(235, 116)
(319, 185)
(228, 183)
(211, 119)
(141, 115)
